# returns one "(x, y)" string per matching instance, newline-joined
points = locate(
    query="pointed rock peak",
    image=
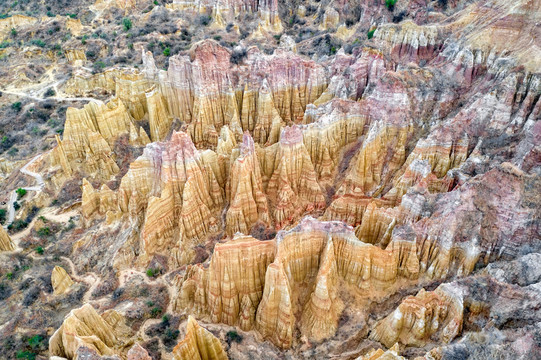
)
(264, 88)
(206, 50)
(247, 146)
(291, 135)
(137, 352)
(183, 144)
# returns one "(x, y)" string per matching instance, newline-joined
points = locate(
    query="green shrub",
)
(38, 42)
(4, 44)
(83, 39)
(17, 106)
(390, 4)
(233, 336)
(204, 20)
(167, 51)
(3, 216)
(153, 272)
(13, 32)
(35, 341)
(156, 2)
(9, 275)
(50, 92)
(26, 355)
(127, 24)
(44, 232)
(16, 205)
(155, 311)
(370, 33)
(18, 225)
(39, 250)
(20, 193)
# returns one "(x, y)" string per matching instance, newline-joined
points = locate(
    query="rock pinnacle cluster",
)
(234, 179)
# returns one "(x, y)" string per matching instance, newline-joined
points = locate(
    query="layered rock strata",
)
(198, 344)
(428, 316)
(60, 280)
(105, 334)
(290, 178)
(6, 244)
(89, 136)
(266, 285)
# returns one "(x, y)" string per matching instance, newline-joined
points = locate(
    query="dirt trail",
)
(89, 278)
(38, 188)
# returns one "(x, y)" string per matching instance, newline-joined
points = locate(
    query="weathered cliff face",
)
(84, 328)
(6, 244)
(198, 343)
(60, 280)
(251, 283)
(89, 137)
(290, 178)
(247, 200)
(433, 315)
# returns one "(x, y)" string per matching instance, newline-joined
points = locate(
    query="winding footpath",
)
(38, 188)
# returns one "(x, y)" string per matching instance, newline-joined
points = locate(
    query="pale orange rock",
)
(268, 125)
(60, 280)
(230, 290)
(391, 354)
(428, 316)
(137, 352)
(174, 188)
(291, 181)
(247, 201)
(130, 88)
(364, 266)
(6, 244)
(83, 83)
(89, 135)
(351, 208)
(84, 327)
(383, 152)
(331, 127)
(198, 344)
(158, 116)
(16, 21)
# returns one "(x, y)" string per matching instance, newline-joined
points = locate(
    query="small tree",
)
(126, 22)
(390, 4)
(20, 193)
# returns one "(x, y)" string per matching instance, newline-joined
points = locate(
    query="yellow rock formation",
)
(430, 315)
(391, 354)
(330, 19)
(341, 124)
(268, 285)
(230, 290)
(247, 201)
(60, 280)
(89, 136)
(16, 21)
(158, 116)
(290, 178)
(382, 153)
(198, 344)
(84, 327)
(6, 244)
